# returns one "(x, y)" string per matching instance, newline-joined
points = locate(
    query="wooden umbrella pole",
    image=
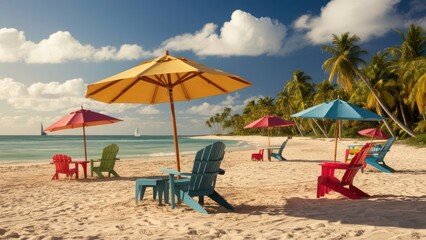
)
(84, 138)
(269, 139)
(175, 137)
(335, 141)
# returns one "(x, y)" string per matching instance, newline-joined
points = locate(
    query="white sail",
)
(137, 133)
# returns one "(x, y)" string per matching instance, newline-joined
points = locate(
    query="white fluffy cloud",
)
(232, 101)
(43, 96)
(55, 96)
(60, 47)
(244, 35)
(365, 18)
(148, 110)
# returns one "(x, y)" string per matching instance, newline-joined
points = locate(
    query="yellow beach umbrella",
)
(165, 79)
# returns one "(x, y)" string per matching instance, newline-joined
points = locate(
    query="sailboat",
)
(42, 132)
(137, 133)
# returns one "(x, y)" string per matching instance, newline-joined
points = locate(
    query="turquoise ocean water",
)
(29, 148)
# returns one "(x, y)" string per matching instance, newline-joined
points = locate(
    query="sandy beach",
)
(272, 199)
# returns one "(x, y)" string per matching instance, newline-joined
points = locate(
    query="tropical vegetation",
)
(392, 84)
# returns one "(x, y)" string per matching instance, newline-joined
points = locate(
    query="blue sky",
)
(50, 50)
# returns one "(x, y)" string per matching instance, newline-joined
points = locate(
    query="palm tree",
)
(418, 95)
(409, 64)
(300, 90)
(384, 82)
(344, 65)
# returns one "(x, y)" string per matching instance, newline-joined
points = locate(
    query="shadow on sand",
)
(389, 210)
(385, 210)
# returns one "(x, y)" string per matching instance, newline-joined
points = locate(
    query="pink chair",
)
(62, 165)
(257, 156)
(327, 181)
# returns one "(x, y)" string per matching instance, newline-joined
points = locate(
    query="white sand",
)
(272, 200)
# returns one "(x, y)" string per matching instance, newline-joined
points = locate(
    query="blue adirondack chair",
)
(107, 162)
(278, 155)
(201, 181)
(376, 158)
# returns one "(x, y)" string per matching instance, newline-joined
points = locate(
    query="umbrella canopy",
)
(165, 79)
(80, 119)
(269, 122)
(338, 110)
(374, 133)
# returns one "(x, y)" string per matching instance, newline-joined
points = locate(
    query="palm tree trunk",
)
(298, 128)
(322, 130)
(389, 113)
(313, 128)
(386, 122)
(402, 112)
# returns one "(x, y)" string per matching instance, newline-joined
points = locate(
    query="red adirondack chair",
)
(327, 181)
(62, 165)
(257, 156)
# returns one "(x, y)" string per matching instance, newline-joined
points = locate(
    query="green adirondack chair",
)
(107, 162)
(201, 181)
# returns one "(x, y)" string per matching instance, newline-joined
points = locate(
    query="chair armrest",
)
(373, 153)
(335, 165)
(174, 172)
(339, 165)
(117, 159)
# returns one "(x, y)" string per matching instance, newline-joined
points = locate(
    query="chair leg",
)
(358, 191)
(215, 196)
(188, 200)
(344, 191)
(114, 173)
(99, 173)
(320, 188)
(55, 176)
(91, 168)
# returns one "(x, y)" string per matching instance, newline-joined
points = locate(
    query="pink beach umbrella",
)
(270, 122)
(81, 119)
(374, 133)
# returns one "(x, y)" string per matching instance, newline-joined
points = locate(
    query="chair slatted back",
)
(61, 162)
(356, 164)
(381, 155)
(280, 151)
(206, 166)
(109, 156)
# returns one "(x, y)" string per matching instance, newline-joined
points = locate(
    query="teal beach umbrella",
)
(338, 110)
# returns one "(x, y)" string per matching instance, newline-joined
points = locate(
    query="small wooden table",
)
(83, 164)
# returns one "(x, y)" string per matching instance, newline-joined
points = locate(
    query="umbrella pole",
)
(335, 141)
(84, 138)
(269, 139)
(175, 138)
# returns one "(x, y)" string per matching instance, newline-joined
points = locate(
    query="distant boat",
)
(42, 132)
(137, 133)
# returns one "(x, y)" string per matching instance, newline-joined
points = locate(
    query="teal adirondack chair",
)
(201, 181)
(107, 162)
(279, 154)
(376, 158)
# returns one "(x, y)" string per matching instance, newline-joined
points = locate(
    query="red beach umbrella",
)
(80, 119)
(374, 133)
(269, 122)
